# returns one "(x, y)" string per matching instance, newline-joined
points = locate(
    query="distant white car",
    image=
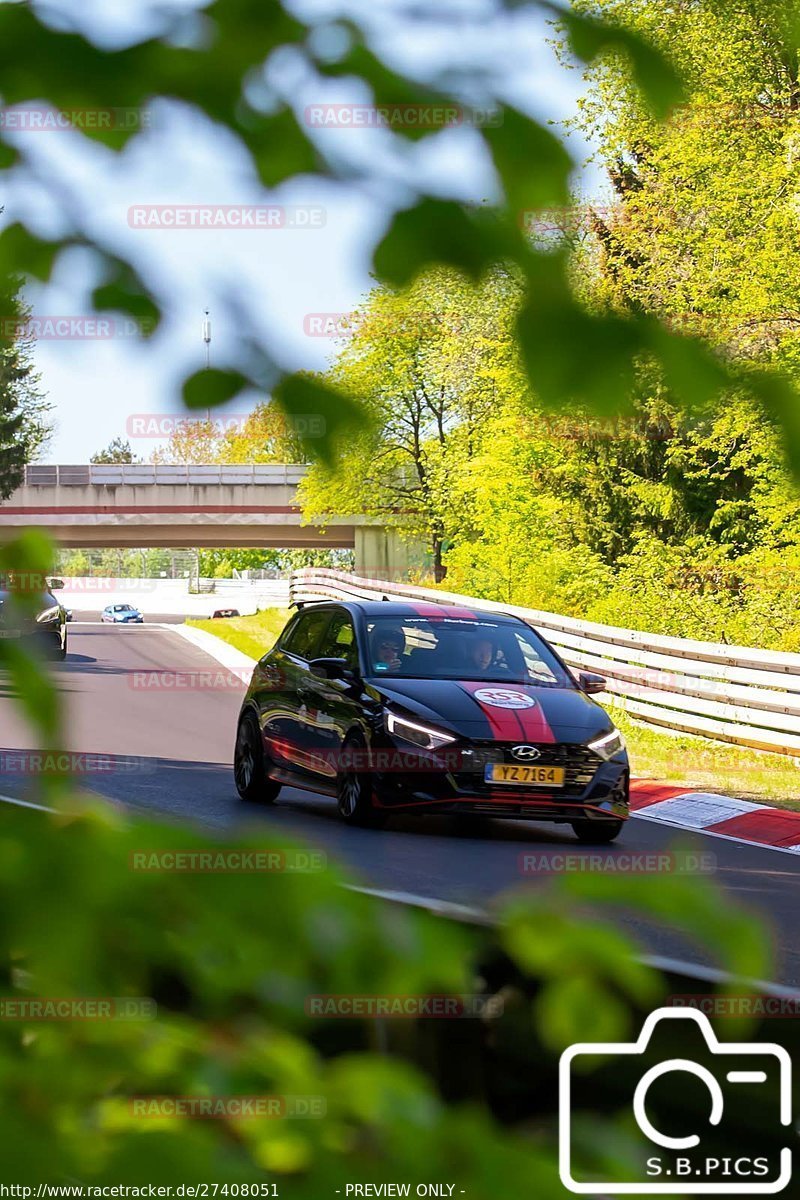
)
(121, 614)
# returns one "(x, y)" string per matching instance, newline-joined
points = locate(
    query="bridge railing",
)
(148, 474)
(737, 694)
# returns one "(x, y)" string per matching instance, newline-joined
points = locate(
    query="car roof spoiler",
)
(330, 600)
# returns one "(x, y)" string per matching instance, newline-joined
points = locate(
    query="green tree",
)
(75, 563)
(267, 435)
(117, 451)
(424, 362)
(194, 440)
(702, 230)
(24, 412)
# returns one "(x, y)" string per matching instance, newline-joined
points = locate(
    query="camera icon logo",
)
(679, 1165)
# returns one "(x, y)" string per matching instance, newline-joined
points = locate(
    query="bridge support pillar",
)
(380, 553)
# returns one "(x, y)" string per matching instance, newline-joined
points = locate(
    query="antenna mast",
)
(207, 340)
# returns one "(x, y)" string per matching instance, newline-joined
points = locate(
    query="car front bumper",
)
(438, 781)
(47, 634)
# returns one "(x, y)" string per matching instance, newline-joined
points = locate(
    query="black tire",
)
(354, 790)
(597, 833)
(249, 767)
(52, 646)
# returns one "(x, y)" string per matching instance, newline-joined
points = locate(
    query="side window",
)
(304, 636)
(287, 633)
(339, 640)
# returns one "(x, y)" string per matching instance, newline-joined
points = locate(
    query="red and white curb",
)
(724, 816)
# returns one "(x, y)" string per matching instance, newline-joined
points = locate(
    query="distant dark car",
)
(47, 628)
(225, 612)
(121, 614)
(400, 707)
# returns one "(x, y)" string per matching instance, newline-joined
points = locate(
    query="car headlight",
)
(49, 614)
(609, 744)
(419, 735)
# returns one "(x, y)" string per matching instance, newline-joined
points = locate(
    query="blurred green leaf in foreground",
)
(573, 353)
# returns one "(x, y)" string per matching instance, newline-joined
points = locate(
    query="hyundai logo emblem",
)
(529, 753)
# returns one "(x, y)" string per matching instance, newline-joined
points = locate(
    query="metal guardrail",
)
(737, 694)
(149, 474)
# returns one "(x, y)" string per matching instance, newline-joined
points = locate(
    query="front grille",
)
(539, 812)
(579, 762)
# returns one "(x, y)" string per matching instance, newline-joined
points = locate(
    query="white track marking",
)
(725, 837)
(27, 804)
(696, 810)
(444, 908)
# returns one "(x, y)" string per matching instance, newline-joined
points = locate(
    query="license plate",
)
(10, 633)
(525, 775)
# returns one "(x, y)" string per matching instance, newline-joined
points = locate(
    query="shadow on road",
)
(462, 828)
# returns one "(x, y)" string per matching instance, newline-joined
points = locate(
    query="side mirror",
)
(331, 668)
(55, 584)
(590, 683)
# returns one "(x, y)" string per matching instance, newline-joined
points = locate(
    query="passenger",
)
(387, 648)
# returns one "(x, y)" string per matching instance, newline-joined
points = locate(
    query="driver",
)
(387, 648)
(480, 653)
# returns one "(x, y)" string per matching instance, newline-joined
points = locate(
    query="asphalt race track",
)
(184, 746)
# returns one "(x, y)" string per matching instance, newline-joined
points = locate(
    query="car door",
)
(332, 706)
(283, 701)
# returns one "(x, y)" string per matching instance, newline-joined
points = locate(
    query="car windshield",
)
(451, 648)
(124, 608)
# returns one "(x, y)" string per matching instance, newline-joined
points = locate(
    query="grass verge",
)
(253, 635)
(707, 766)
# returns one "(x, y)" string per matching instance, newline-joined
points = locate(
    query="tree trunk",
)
(439, 569)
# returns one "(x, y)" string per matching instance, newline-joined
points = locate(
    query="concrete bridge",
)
(142, 505)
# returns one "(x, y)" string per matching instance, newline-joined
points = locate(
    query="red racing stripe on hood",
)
(535, 725)
(511, 724)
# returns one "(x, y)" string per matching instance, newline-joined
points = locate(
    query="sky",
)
(281, 281)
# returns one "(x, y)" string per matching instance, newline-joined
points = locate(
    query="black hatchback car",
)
(404, 707)
(41, 621)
